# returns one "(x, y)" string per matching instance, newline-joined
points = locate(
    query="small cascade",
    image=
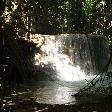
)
(77, 48)
(73, 57)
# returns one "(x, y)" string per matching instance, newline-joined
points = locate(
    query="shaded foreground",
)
(17, 104)
(23, 100)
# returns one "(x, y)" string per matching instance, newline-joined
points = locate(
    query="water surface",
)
(51, 92)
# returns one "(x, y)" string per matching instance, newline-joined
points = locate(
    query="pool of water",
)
(50, 92)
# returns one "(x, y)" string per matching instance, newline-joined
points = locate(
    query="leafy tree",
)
(46, 17)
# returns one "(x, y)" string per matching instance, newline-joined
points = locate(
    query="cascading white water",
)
(71, 56)
(68, 55)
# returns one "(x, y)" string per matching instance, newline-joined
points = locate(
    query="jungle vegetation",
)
(21, 17)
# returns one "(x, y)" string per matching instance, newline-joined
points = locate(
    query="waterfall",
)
(73, 57)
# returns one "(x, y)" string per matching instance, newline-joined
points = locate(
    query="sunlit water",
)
(55, 93)
(51, 92)
(63, 56)
(71, 76)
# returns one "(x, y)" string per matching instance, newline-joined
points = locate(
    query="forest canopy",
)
(21, 17)
(60, 16)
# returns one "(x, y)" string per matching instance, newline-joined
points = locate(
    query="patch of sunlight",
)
(7, 13)
(63, 94)
(11, 103)
(14, 6)
(41, 110)
(14, 94)
(54, 95)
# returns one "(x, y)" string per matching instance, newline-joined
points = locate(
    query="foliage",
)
(15, 64)
(46, 17)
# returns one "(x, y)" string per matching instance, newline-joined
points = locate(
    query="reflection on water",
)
(56, 93)
(70, 58)
(63, 94)
(50, 92)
